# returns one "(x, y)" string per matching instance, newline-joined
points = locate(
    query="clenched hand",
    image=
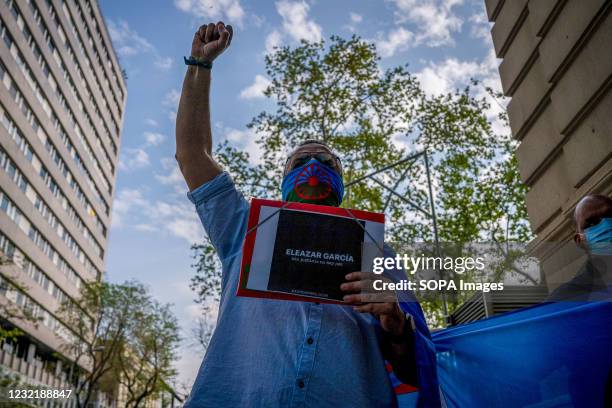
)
(211, 40)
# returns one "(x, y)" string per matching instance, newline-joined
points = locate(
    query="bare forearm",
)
(193, 129)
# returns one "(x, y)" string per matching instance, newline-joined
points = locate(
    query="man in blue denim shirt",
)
(278, 353)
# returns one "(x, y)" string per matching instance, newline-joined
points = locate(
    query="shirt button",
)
(310, 340)
(301, 384)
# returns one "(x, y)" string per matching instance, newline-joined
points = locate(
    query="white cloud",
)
(151, 122)
(172, 98)
(446, 76)
(245, 141)
(129, 43)
(256, 89)
(296, 22)
(451, 74)
(229, 10)
(177, 218)
(356, 18)
(435, 19)
(173, 175)
(146, 227)
(134, 159)
(397, 40)
(153, 139)
(273, 40)
(164, 63)
(236, 136)
(138, 158)
(126, 199)
(480, 27)
(188, 228)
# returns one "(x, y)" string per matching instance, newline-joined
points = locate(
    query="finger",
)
(367, 308)
(360, 276)
(352, 299)
(369, 297)
(198, 39)
(202, 31)
(216, 33)
(224, 36)
(195, 44)
(230, 29)
(384, 297)
(356, 298)
(375, 308)
(210, 29)
(356, 286)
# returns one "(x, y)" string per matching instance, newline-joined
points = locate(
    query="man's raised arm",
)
(193, 130)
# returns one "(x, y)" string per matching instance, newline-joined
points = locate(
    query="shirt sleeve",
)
(223, 212)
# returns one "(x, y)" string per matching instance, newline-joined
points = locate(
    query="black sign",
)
(313, 252)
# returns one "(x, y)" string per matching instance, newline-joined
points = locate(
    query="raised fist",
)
(211, 40)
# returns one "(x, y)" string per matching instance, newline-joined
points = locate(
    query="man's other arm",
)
(193, 129)
(397, 337)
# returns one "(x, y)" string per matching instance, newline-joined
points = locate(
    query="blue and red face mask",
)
(313, 183)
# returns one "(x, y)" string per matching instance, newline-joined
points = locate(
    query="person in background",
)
(593, 221)
(278, 353)
(593, 282)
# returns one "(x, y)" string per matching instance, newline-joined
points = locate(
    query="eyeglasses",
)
(327, 159)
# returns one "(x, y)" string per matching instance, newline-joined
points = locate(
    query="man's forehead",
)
(311, 148)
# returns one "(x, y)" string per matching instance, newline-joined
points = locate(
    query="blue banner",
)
(549, 355)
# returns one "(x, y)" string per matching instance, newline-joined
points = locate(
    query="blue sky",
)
(445, 43)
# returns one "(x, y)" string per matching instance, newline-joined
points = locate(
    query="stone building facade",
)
(557, 69)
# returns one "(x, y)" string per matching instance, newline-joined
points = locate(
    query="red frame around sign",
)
(249, 242)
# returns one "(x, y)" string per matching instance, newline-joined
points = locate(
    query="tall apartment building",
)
(62, 100)
(557, 68)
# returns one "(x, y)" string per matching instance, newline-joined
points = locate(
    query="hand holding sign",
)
(383, 304)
